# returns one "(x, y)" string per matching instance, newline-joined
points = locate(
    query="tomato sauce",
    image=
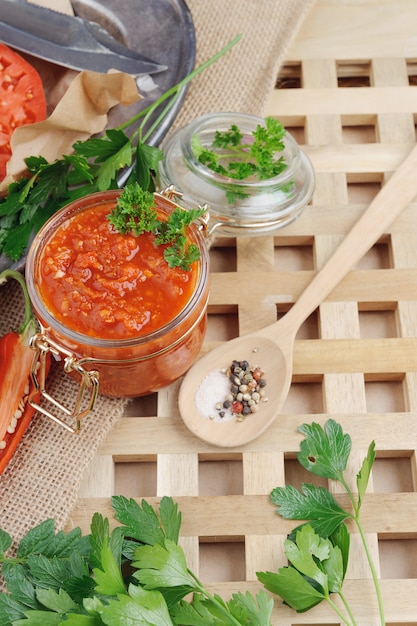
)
(111, 304)
(103, 284)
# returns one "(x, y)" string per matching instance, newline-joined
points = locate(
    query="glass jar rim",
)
(60, 217)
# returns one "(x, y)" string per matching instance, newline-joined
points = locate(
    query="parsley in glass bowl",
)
(250, 172)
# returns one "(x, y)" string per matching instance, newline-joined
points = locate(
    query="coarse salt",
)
(213, 389)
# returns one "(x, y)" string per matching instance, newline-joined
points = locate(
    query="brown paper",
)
(64, 6)
(81, 112)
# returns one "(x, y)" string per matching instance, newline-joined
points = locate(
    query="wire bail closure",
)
(168, 195)
(89, 380)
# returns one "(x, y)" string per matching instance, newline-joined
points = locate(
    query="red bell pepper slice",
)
(16, 385)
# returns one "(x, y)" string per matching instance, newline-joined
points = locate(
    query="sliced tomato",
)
(22, 99)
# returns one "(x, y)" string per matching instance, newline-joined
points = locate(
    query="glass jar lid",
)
(237, 207)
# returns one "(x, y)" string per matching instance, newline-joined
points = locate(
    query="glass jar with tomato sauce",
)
(109, 303)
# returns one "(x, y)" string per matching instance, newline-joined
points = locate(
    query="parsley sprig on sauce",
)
(96, 164)
(135, 212)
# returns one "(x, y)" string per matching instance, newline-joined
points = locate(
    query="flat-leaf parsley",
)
(318, 550)
(96, 164)
(134, 574)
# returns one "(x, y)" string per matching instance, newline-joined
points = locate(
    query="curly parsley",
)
(240, 156)
(135, 212)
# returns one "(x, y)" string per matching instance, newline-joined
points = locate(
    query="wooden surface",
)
(348, 94)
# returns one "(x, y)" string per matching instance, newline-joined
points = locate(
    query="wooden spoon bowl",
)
(272, 347)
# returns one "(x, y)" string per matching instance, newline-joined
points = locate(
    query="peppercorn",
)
(246, 390)
(257, 373)
(237, 407)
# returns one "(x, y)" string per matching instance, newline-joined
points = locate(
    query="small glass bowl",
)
(126, 367)
(270, 204)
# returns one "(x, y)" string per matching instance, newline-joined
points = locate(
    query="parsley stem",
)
(373, 570)
(212, 599)
(347, 607)
(158, 120)
(173, 91)
(365, 544)
(351, 496)
(339, 612)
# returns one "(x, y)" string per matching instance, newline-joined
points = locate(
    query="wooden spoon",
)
(272, 347)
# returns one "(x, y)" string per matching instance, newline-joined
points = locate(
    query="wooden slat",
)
(240, 515)
(284, 287)
(142, 438)
(356, 105)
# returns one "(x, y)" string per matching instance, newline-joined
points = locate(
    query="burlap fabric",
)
(43, 478)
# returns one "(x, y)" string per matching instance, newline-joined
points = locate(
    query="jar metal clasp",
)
(43, 346)
(167, 197)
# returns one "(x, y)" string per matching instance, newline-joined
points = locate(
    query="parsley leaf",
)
(140, 607)
(315, 504)
(135, 211)
(162, 566)
(195, 614)
(242, 156)
(19, 586)
(292, 587)
(146, 161)
(140, 522)
(5, 541)
(250, 610)
(59, 602)
(10, 610)
(40, 618)
(37, 539)
(364, 473)
(306, 552)
(325, 452)
(316, 570)
(108, 576)
(148, 588)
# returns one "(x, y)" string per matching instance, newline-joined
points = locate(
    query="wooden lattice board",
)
(348, 95)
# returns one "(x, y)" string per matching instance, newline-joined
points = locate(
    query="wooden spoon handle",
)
(394, 196)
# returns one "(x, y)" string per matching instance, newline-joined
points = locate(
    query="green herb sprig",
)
(135, 574)
(318, 550)
(240, 156)
(135, 212)
(95, 165)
